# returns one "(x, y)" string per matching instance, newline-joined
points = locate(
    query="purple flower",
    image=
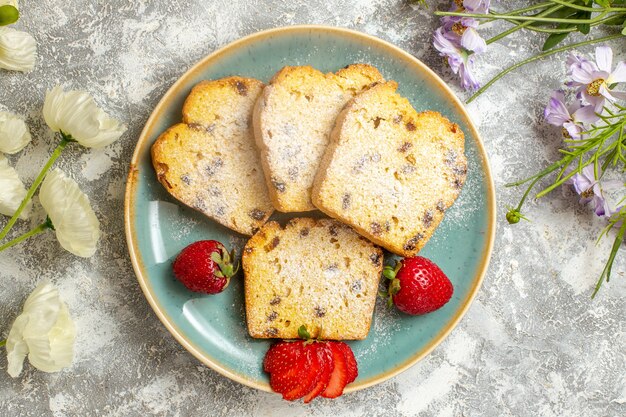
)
(591, 190)
(570, 118)
(459, 58)
(464, 32)
(594, 80)
(477, 6)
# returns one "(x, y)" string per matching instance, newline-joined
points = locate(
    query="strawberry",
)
(339, 377)
(327, 366)
(308, 368)
(351, 365)
(417, 286)
(204, 266)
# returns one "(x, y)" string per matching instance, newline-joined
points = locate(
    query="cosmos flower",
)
(14, 134)
(595, 81)
(44, 331)
(591, 189)
(570, 118)
(458, 58)
(18, 50)
(75, 113)
(12, 190)
(77, 227)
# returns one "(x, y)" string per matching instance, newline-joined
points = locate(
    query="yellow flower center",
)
(566, 134)
(593, 89)
(588, 193)
(458, 28)
(459, 4)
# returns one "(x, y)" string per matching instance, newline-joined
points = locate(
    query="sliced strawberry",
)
(339, 376)
(286, 363)
(327, 365)
(353, 370)
(309, 376)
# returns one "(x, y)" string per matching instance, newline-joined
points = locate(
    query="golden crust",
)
(317, 273)
(292, 123)
(389, 171)
(210, 162)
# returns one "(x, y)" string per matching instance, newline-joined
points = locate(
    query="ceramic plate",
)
(213, 328)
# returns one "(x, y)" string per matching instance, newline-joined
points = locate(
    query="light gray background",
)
(532, 344)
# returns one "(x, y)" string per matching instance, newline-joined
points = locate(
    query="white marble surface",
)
(532, 344)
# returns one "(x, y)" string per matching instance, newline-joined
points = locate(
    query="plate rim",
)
(131, 183)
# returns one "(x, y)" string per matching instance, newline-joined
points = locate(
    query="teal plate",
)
(213, 328)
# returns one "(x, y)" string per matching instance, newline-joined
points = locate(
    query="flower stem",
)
(65, 139)
(606, 272)
(538, 57)
(3, 342)
(527, 18)
(35, 231)
(589, 9)
(521, 25)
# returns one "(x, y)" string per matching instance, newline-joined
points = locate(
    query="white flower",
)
(77, 227)
(44, 331)
(12, 190)
(76, 113)
(18, 50)
(14, 134)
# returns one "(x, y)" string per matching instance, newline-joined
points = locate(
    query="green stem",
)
(589, 9)
(35, 231)
(3, 342)
(65, 139)
(538, 57)
(606, 272)
(526, 18)
(521, 25)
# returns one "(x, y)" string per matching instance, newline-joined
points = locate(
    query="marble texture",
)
(532, 344)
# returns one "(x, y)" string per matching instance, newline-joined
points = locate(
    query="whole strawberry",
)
(204, 266)
(417, 286)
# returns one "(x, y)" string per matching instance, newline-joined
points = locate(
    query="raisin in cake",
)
(389, 171)
(210, 162)
(292, 121)
(317, 273)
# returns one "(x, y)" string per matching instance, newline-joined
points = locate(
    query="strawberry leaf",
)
(303, 333)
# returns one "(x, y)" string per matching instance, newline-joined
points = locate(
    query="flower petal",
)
(77, 227)
(472, 41)
(574, 129)
(76, 113)
(586, 114)
(555, 112)
(44, 331)
(13, 190)
(604, 58)
(14, 134)
(581, 75)
(619, 75)
(18, 50)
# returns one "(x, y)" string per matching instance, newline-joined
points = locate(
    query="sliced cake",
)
(317, 273)
(292, 122)
(210, 162)
(389, 171)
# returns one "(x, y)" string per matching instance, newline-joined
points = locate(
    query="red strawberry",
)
(417, 286)
(352, 368)
(204, 266)
(311, 375)
(339, 377)
(327, 366)
(309, 368)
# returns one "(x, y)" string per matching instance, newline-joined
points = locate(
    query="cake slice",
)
(292, 123)
(210, 162)
(317, 273)
(389, 171)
